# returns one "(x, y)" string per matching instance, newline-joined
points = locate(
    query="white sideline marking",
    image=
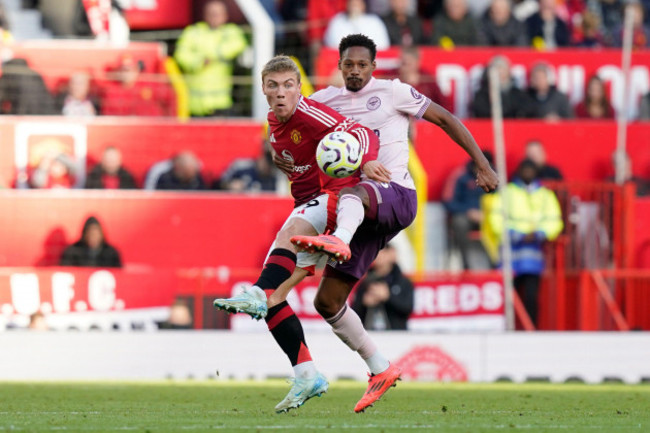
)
(344, 426)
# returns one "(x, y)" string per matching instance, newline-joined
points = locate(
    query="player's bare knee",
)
(326, 307)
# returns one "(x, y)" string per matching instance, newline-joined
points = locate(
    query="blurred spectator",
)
(454, 26)
(404, 28)
(185, 174)
(547, 102)
(76, 100)
(319, 14)
(596, 104)
(589, 34)
(610, 15)
(54, 170)
(23, 91)
(205, 52)
(535, 152)
(259, 174)
(533, 216)
(356, 20)
(109, 173)
(384, 298)
(101, 19)
(37, 322)
(465, 217)
(644, 109)
(499, 28)
(514, 101)
(545, 29)
(128, 94)
(92, 249)
(427, 9)
(410, 73)
(523, 9)
(640, 31)
(642, 185)
(180, 316)
(5, 33)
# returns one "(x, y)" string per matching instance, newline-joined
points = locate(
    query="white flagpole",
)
(499, 147)
(621, 118)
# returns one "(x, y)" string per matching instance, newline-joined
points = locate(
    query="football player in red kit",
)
(296, 126)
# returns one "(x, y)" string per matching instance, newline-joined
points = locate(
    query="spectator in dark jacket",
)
(499, 27)
(403, 28)
(384, 298)
(185, 174)
(23, 91)
(454, 26)
(92, 249)
(546, 29)
(535, 152)
(514, 101)
(546, 101)
(109, 173)
(465, 217)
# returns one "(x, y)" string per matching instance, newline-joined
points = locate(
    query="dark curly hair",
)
(358, 40)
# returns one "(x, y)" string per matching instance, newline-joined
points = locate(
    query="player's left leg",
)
(346, 324)
(391, 209)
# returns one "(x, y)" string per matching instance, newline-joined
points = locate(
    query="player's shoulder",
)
(325, 94)
(317, 111)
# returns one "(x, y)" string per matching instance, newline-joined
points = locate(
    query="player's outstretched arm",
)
(486, 178)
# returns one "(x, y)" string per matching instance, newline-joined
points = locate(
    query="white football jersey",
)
(383, 106)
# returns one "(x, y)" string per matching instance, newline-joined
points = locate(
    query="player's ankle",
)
(343, 234)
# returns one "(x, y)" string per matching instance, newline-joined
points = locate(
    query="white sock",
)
(377, 363)
(349, 216)
(305, 370)
(347, 325)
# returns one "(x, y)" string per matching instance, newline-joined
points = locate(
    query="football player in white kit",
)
(385, 107)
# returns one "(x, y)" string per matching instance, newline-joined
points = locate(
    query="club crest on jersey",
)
(373, 103)
(296, 136)
(415, 93)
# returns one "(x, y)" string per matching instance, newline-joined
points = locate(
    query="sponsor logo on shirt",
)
(296, 168)
(415, 93)
(373, 103)
(272, 138)
(296, 136)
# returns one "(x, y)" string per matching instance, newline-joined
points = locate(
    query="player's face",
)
(356, 67)
(282, 91)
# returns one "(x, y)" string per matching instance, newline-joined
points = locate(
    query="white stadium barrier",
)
(557, 357)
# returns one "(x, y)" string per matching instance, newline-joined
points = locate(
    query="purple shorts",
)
(392, 209)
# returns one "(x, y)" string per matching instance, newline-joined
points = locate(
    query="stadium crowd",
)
(209, 56)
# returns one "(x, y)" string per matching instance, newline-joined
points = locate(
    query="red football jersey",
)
(296, 140)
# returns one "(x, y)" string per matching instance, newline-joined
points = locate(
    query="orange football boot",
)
(378, 384)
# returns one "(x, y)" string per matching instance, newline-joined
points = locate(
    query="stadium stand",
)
(183, 234)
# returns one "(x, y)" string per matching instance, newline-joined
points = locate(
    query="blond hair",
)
(280, 63)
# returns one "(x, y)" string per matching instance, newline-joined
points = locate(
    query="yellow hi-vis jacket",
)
(206, 55)
(531, 209)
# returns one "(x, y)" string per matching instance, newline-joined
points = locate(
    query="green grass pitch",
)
(225, 406)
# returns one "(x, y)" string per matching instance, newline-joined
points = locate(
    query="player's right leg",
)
(350, 214)
(278, 267)
(310, 218)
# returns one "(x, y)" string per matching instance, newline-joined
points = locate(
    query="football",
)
(338, 154)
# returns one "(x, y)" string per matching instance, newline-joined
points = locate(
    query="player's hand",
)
(486, 178)
(376, 171)
(284, 165)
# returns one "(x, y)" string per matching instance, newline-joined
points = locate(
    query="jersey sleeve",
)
(408, 100)
(369, 143)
